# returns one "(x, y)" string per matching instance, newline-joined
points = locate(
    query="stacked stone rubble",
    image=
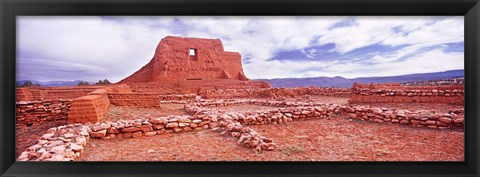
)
(63, 143)
(148, 127)
(30, 113)
(245, 136)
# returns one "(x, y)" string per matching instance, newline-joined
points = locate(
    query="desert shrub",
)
(290, 149)
(103, 82)
(30, 84)
(82, 83)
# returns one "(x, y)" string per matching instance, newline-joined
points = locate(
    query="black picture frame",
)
(9, 9)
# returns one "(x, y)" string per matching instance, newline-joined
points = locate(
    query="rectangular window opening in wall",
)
(193, 52)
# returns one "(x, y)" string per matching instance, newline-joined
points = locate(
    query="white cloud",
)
(431, 61)
(119, 46)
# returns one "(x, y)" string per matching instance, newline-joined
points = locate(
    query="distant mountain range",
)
(316, 81)
(344, 82)
(54, 83)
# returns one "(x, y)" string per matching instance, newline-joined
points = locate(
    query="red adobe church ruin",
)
(182, 59)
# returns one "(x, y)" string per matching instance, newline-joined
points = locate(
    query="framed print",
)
(156, 88)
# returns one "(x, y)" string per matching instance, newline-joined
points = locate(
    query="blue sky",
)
(93, 48)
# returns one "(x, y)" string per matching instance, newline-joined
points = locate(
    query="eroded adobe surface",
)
(180, 59)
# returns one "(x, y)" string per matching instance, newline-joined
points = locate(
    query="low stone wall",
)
(417, 118)
(395, 93)
(295, 111)
(147, 127)
(304, 111)
(30, 113)
(145, 99)
(233, 102)
(89, 108)
(273, 92)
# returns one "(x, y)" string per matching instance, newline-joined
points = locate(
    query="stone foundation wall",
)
(145, 99)
(147, 127)
(89, 108)
(294, 111)
(395, 93)
(32, 113)
(304, 111)
(454, 118)
(273, 92)
(234, 102)
(175, 124)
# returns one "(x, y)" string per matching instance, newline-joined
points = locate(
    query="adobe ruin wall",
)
(90, 108)
(184, 58)
(53, 93)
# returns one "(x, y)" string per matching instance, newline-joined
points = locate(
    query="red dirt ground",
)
(115, 113)
(336, 139)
